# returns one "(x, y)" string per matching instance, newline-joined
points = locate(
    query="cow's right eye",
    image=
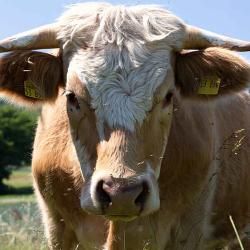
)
(72, 99)
(167, 99)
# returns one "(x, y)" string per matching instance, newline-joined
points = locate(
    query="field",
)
(20, 221)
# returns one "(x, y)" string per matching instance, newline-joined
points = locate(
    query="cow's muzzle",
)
(120, 197)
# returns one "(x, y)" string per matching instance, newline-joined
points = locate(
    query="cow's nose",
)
(122, 197)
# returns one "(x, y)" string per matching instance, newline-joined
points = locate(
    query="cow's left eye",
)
(72, 99)
(167, 99)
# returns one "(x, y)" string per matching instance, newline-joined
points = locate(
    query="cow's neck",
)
(188, 155)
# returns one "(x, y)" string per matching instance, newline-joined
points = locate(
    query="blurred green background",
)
(20, 220)
(17, 127)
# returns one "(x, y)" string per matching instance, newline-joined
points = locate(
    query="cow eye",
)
(167, 99)
(72, 99)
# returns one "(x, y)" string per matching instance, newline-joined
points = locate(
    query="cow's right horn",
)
(44, 37)
(197, 38)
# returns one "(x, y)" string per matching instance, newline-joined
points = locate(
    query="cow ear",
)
(210, 73)
(30, 77)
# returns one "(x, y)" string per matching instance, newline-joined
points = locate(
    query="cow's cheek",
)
(156, 133)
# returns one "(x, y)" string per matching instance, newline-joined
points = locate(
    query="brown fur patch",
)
(192, 67)
(44, 70)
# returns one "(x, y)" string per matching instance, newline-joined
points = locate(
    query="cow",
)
(143, 140)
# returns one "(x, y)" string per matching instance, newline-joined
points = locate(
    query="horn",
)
(44, 37)
(200, 39)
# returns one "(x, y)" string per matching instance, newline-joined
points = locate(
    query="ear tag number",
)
(30, 90)
(209, 86)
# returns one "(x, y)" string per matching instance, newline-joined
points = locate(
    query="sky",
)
(228, 17)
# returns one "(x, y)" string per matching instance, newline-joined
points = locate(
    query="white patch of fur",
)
(158, 171)
(121, 98)
(100, 129)
(83, 158)
(99, 24)
(153, 202)
(122, 55)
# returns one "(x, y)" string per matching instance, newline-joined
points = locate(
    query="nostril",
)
(102, 196)
(141, 198)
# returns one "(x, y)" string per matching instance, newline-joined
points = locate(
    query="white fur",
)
(99, 24)
(127, 56)
(122, 99)
(153, 202)
(83, 157)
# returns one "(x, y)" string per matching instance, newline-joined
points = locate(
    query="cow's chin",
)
(89, 208)
(91, 205)
(125, 218)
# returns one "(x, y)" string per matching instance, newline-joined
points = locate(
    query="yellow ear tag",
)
(30, 90)
(209, 86)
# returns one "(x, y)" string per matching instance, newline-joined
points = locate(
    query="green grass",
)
(21, 227)
(14, 199)
(20, 221)
(20, 178)
(20, 187)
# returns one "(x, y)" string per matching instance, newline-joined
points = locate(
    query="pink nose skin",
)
(120, 197)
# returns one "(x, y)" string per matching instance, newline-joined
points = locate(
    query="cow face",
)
(119, 85)
(120, 119)
(120, 68)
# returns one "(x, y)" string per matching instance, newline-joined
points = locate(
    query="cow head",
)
(121, 68)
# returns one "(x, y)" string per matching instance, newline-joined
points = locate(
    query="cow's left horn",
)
(200, 39)
(44, 37)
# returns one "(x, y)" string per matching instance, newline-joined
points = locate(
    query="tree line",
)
(17, 129)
